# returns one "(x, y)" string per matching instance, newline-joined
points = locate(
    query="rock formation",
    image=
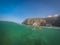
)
(35, 21)
(48, 21)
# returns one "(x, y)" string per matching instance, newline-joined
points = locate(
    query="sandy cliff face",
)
(35, 21)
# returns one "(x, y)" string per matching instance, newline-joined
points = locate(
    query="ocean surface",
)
(15, 34)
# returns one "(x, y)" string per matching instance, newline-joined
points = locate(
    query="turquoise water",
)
(15, 34)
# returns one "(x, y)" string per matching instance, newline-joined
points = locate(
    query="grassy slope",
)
(15, 34)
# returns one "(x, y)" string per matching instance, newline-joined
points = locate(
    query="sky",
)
(19, 10)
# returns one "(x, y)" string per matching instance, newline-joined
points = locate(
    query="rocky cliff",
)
(51, 21)
(35, 21)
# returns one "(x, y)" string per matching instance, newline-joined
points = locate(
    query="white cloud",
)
(56, 15)
(49, 16)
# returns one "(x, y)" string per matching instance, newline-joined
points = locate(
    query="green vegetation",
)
(15, 34)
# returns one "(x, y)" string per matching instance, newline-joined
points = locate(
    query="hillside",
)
(15, 34)
(53, 21)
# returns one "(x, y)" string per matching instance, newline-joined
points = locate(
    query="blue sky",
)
(19, 10)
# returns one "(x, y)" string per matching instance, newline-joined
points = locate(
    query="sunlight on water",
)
(52, 27)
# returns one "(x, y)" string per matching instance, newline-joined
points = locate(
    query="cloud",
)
(49, 16)
(55, 15)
